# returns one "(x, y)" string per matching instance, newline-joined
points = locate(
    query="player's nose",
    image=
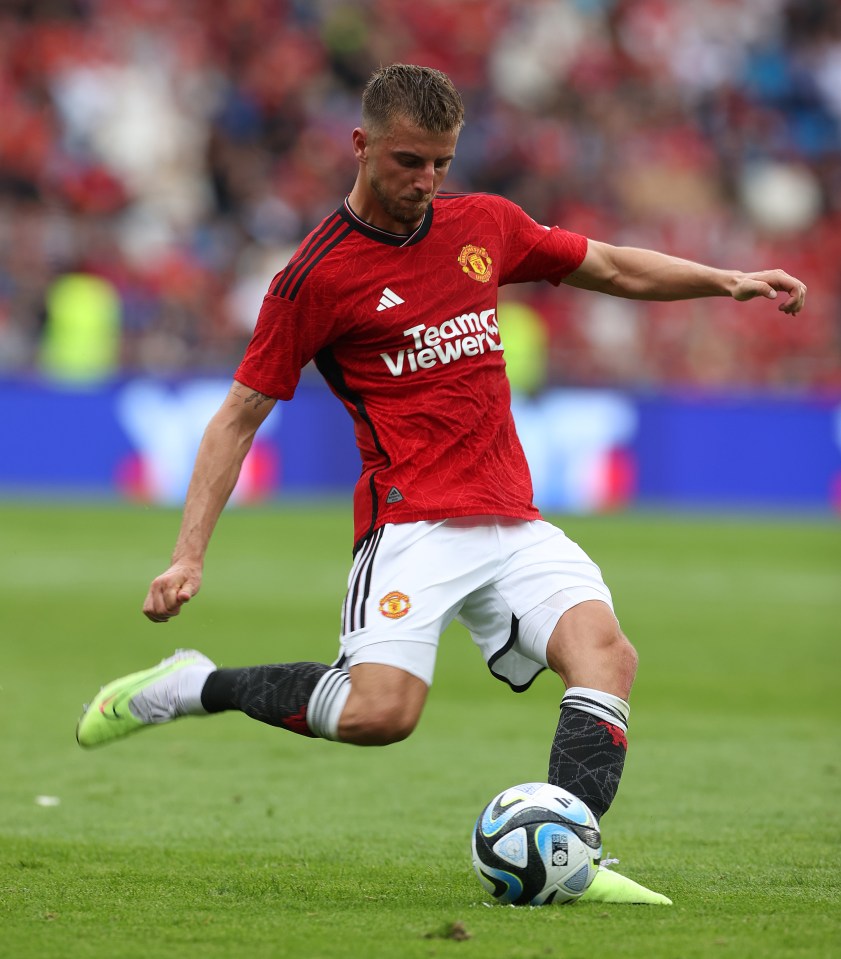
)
(425, 179)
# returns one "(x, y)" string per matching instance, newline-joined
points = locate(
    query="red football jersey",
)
(404, 331)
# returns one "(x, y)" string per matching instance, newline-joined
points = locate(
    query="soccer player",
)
(394, 297)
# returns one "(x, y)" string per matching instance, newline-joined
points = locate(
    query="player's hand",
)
(769, 283)
(170, 591)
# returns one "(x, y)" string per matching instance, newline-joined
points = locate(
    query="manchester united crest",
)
(395, 605)
(476, 263)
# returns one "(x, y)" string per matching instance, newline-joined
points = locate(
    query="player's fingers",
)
(794, 289)
(160, 619)
(753, 286)
(155, 609)
(769, 285)
(186, 592)
(796, 300)
(169, 591)
(153, 613)
(161, 601)
(173, 594)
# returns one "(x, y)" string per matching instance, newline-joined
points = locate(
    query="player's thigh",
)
(545, 567)
(406, 586)
(544, 576)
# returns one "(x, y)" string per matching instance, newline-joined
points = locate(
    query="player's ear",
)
(360, 144)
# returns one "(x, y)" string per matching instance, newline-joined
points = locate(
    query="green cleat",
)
(157, 695)
(610, 886)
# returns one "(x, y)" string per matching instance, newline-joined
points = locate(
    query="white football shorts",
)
(508, 581)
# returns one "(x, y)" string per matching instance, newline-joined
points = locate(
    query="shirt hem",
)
(431, 516)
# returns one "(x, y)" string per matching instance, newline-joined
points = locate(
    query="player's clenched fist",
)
(170, 591)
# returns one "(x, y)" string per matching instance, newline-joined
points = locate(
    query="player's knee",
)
(627, 657)
(613, 646)
(385, 729)
(384, 705)
(378, 725)
(588, 648)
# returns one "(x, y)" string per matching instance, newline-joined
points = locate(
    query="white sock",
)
(189, 684)
(327, 703)
(604, 706)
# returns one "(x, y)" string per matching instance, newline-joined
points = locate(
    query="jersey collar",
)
(384, 236)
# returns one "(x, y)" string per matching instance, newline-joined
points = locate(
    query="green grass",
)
(225, 838)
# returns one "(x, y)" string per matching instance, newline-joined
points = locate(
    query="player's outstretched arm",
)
(223, 448)
(647, 275)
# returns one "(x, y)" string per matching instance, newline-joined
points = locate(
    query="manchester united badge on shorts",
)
(395, 605)
(476, 263)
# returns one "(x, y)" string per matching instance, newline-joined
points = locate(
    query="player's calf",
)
(588, 752)
(305, 698)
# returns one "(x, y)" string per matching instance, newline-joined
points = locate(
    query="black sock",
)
(587, 758)
(277, 695)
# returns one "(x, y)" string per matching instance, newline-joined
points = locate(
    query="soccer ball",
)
(536, 844)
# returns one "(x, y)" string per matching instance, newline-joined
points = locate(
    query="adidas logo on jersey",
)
(389, 299)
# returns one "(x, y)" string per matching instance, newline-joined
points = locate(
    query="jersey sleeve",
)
(287, 336)
(536, 252)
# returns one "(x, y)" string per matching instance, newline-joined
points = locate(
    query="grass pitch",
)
(221, 837)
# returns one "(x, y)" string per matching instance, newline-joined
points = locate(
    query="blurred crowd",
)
(177, 153)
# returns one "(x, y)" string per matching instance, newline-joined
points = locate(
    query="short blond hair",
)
(425, 96)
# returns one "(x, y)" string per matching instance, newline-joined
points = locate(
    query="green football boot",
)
(610, 886)
(151, 696)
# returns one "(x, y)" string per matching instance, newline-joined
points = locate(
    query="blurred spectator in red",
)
(181, 151)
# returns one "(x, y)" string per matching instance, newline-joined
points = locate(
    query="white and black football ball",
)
(536, 844)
